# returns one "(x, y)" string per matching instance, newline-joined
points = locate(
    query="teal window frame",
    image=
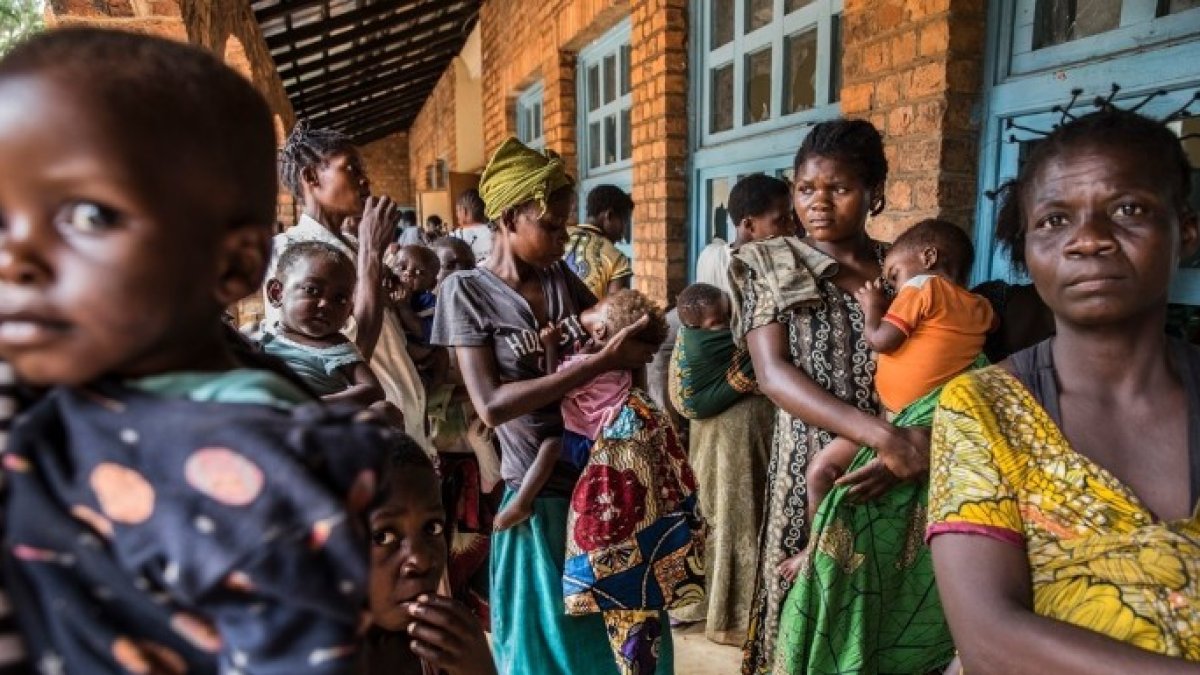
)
(615, 44)
(531, 118)
(768, 146)
(1027, 99)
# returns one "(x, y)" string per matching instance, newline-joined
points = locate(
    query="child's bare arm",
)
(550, 337)
(881, 336)
(520, 507)
(364, 389)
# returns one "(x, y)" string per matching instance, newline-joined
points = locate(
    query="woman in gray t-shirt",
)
(491, 317)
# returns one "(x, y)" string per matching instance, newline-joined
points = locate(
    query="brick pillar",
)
(915, 70)
(659, 35)
(558, 107)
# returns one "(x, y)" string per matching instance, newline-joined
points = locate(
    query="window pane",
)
(721, 104)
(758, 87)
(1059, 21)
(722, 22)
(793, 5)
(625, 54)
(536, 123)
(717, 223)
(1166, 7)
(835, 59)
(593, 78)
(593, 145)
(610, 139)
(610, 78)
(626, 135)
(759, 13)
(800, 71)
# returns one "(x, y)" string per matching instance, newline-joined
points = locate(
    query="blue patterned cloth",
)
(158, 534)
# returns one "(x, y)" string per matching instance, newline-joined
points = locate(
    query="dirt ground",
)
(694, 655)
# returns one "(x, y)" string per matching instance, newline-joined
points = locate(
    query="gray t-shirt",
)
(476, 309)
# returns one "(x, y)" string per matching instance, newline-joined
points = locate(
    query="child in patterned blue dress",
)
(171, 506)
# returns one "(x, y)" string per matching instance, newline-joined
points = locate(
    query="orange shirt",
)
(945, 324)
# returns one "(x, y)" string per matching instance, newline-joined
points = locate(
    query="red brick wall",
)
(660, 146)
(915, 70)
(432, 134)
(387, 166)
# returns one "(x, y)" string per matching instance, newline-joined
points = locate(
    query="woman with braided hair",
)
(325, 172)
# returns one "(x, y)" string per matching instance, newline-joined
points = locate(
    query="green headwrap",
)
(516, 175)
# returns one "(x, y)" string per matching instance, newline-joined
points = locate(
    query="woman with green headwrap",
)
(492, 316)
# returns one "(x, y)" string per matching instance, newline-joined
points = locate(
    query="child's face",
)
(415, 271)
(1103, 234)
(452, 260)
(902, 264)
(595, 321)
(774, 222)
(408, 547)
(830, 199)
(103, 270)
(316, 297)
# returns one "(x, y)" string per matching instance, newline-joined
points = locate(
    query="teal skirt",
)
(531, 632)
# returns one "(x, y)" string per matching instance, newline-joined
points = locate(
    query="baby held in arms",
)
(589, 408)
(933, 330)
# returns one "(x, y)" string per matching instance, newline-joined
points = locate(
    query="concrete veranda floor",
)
(695, 655)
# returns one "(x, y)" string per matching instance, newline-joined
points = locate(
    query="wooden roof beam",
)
(347, 60)
(385, 41)
(381, 10)
(351, 78)
(323, 118)
(355, 93)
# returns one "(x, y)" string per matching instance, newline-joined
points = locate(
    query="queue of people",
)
(439, 454)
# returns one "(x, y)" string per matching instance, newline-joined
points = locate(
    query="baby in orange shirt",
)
(933, 330)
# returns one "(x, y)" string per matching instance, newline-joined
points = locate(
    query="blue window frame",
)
(529, 117)
(1039, 50)
(605, 132)
(766, 70)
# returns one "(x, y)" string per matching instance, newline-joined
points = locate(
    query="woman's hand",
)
(377, 228)
(871, 481)
(446, 635)
(904, 451)
(624, 352)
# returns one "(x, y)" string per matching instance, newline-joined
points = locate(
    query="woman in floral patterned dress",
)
(804, 330)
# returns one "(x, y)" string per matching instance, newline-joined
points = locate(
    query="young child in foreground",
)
(314, 289)
(415, 630)
(169, 508)
(933, 330)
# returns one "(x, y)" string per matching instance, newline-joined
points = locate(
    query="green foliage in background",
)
(18, 20)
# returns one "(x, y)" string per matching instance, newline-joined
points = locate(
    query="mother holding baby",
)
(805, 331)
(491, 316)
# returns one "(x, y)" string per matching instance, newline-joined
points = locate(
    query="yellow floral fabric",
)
(1001, 467)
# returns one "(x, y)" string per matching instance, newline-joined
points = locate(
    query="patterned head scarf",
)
(517, 174)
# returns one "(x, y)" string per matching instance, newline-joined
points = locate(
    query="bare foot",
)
(512, 515)
(790, 568)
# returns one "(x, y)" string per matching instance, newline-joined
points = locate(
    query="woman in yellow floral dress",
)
(1064, 481)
